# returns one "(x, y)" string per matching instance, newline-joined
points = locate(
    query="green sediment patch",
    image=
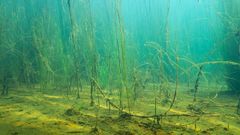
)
(31, 111)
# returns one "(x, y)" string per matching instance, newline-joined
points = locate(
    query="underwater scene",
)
(119, 67)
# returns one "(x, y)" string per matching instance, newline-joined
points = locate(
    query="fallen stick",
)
(154, 116)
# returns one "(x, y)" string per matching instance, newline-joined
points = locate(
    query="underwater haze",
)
(119, 67)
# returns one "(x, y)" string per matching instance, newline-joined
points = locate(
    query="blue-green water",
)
(122, 46)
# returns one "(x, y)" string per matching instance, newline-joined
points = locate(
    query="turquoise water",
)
(122, 45)
(46, 40)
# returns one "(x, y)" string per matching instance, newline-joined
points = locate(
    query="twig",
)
(197, 83)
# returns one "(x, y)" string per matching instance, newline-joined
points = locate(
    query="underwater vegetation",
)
(119, 67)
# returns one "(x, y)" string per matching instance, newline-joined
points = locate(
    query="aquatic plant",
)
(93, 51)
(121, 52)
(76, 52)
(230, 46)
(197, 83)
(238, 107)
